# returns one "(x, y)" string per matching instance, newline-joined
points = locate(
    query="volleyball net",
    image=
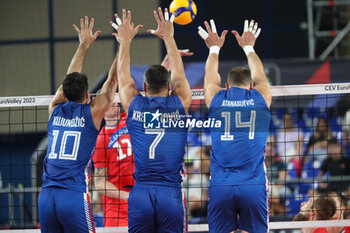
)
(307, 156)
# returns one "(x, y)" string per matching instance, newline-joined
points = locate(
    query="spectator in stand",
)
(319, 207)
(290, 142)
(316, 151)
(318, 143)
(276, 174)
(335, 165)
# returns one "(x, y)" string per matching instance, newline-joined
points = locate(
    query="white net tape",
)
(287, 90)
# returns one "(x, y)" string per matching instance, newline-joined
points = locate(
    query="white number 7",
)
(160, 134)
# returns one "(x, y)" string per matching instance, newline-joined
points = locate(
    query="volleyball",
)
(185, 11)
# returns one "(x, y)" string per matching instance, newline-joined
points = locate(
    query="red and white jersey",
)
(113, 152)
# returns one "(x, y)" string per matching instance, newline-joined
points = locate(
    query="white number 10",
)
(62, 155)
(239, 124)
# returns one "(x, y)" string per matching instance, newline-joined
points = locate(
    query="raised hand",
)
(183, 53)
(250, 34)
(165, 25)
(126, 30)
(86, 38)
(210, 36)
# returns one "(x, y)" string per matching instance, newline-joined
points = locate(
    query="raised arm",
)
(183, 53)
(179, 83)
(107, 188)
(212, 79)
(247, 42)
(125, 33)
(102, 102)
(86, 38)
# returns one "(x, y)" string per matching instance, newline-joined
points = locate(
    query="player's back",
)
(238, 146)
(72, 137)
(157, 139)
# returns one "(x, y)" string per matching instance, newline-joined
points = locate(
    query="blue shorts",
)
(64, 210)
(156, 209)
(244, 207)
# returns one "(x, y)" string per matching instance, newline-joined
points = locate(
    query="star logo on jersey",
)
(152, 120)
(156, 115)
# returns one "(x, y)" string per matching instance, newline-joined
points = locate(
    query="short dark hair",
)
(239, 76)
(74, 86)
(343, 200)
(156, 78)
(325, 207)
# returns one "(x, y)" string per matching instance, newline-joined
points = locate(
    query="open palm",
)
(86, 37)
(165, 27)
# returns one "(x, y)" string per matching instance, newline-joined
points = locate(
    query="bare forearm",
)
(76, 65)
(124, 77)
(256, 68)
(111, 83)
(112, 74)
(77, 62)
(127, 86)
(110, 190)
(175, 60)
(211, 70)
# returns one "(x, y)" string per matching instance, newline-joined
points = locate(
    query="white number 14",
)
(239, 124)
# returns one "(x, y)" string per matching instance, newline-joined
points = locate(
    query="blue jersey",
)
(158, 139)
(72, 137)
(238, 146)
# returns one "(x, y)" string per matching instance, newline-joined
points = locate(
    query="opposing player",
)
(114, 167)
(238, 186)
(318, 207)
(156, 201)
(64, 204)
